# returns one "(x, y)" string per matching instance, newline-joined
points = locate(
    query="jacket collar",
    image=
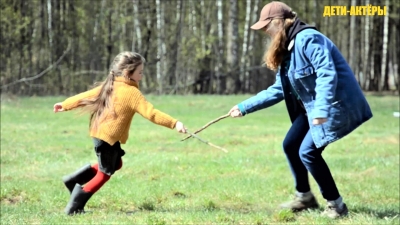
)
(293, 30)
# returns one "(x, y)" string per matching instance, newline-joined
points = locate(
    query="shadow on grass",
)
(381, 214)
(203, 209)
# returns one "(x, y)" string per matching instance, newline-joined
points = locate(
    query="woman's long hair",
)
(274, 55)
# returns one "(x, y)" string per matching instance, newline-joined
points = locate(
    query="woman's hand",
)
(235, 112)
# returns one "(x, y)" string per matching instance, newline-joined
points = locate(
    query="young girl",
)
(112, 105)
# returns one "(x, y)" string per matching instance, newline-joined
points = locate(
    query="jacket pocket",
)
(303, 72)
(306, 77)
(337, 117)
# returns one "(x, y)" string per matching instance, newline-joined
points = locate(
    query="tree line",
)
(61, 47)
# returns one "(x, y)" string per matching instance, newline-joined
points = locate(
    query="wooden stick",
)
(207, 125)
(204, 141)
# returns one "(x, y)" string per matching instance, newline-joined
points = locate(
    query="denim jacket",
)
(325, 84)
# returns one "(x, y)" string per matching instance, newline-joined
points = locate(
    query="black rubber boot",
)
(81, 176)
(77, 201)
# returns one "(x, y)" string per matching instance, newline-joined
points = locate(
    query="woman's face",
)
(272, 28)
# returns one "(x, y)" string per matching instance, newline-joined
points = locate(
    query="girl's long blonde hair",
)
(124, 62)
(273, 56)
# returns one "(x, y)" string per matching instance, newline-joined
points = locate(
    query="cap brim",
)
(260, 24)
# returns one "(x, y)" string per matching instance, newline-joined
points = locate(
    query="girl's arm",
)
(147, 110)
(73, 102)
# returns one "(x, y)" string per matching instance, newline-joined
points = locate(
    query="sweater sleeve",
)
(73, 102)
(147, 110)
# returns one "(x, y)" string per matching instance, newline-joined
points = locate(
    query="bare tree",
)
(220, 83)
(137, 35)
(232, 49)
(251, 44)
(384, 69)
(191, 46)
(160, 49)
(50, 30)
(244, 57)
(94, 56)
(366, 64)
(315, 14)
(352, 41)
(173, 70)
(202, 27)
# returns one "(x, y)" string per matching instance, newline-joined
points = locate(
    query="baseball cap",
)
(272, 10)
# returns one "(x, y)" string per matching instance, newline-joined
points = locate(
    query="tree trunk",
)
(50, 30)
(173, 70)
(219, 70)
(352, 40)
(397, 52)
(316, 14)
(367, 52)
(232, 49)
(244, 57)
(22, 43)
(384, 71)
(376, 54)
(159, 46)
(251, 44)
(95, 52)
(110, 40)
(150, 11)
(203, 31)
(58, 39)
(137, 35)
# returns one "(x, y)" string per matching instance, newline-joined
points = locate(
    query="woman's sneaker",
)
(334, 211)
(301, 203)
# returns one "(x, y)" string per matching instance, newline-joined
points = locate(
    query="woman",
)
(323, 99)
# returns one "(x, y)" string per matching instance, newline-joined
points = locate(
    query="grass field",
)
(165, 181)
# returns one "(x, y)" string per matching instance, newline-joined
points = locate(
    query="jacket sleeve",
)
(317, 50)
(73, 102)
(147, 110)
(266, 98)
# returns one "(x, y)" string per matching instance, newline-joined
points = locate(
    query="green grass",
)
(165, 181)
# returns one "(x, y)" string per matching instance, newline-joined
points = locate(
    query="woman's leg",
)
(304, 199)
(291, 147)
(311, 156)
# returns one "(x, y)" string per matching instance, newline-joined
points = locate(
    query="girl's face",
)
(137, 75)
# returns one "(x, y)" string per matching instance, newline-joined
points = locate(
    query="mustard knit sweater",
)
(127, 100)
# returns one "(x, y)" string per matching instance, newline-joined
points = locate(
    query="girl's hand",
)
(235, 112)
(58, 107)
(180, 127)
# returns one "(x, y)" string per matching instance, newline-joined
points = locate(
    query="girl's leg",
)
(109, 160)
(81, 176)
(99, 180)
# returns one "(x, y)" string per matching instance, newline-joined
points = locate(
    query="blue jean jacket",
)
(325, 84)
